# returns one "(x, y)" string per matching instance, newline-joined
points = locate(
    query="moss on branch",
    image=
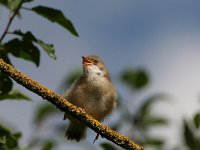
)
(61, 103)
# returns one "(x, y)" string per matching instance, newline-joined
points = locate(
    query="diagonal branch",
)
(65, 106)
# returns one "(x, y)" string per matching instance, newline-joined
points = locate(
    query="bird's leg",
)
(65, 116)
(96, 138)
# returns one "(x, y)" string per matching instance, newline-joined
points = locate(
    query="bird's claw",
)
(96, 138)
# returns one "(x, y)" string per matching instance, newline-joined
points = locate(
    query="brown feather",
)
(92, 92)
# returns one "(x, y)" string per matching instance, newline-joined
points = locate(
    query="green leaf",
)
(141, 79)
(23, 48)
(11, 139)
(2, 139)
(145, 108)
(189, 136)
(4, 55)
(196, 120)
(56, 16)
(48, 145)
(4, 3)
(49, 48)
(4, 130)
(15, 95)
(5, 84)
(136, 79)
(27, 1)
(153, 142)
(28, 35)
(154, 120)
(17, 135)
(144, 118)
(11, 4)
(107, 146)
(42, 112)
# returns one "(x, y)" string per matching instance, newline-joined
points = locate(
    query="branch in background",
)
(10, 21)
(65, 106)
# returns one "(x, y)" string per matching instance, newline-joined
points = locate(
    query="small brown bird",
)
(93, 92)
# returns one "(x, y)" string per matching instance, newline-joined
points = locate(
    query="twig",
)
(65, 106)
(10, 21)
(26, 8)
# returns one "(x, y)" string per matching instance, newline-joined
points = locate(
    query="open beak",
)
(86, 61)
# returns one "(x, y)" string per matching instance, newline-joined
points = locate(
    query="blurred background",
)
(152, 51)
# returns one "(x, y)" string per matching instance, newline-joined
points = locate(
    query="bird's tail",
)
(76, 131)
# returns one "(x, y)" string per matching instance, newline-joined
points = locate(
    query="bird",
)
(93, 92)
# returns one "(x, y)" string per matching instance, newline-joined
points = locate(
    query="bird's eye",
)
(95, 61)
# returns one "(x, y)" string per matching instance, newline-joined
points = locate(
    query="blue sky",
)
(161, 37)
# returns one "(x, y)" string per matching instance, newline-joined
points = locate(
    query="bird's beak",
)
(86, 61)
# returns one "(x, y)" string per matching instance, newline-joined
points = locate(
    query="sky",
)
(161, 37)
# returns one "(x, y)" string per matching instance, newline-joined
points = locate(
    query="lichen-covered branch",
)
(65, 106)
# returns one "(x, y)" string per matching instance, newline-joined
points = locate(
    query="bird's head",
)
(94, 66)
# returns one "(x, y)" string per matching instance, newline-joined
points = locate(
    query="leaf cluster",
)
(25, 45)
(191, 130)
(8, 139)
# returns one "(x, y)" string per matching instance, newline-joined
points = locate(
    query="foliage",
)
(136, 79)
(15, 94)
(56, 16)
(9, 139)
(191, 133)
(10, 4)
(143, 117)
(48, 145)
(43, 112)
(196, 120)
(23, 48)
(26, 46)
(107, 146)
(5, 84)
(49, 48)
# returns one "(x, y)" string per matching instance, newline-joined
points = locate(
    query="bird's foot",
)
(96, 138)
